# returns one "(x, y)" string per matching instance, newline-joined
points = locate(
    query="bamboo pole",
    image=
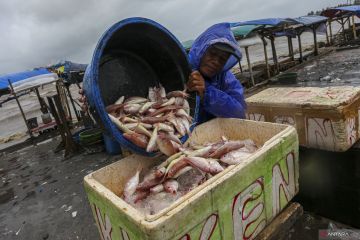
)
(353, 26)
(266, 57)
(300, 48)
(331, 35)
(21, 110)
(272, 40)
(249, 66)
(316, 51)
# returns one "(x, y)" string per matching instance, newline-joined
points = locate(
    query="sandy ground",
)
(40, 192)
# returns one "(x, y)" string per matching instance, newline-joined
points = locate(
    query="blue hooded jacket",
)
(224, 95)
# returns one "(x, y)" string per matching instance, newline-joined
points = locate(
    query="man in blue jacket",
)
(212, 55)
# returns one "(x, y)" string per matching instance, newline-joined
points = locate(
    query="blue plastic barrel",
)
(112, 147)
(131, 56)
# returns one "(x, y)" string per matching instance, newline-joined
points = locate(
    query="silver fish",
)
(152, 142)
(182, 171)
(145, 107)
(171, 186)
(182, 113)
(186, 106)
(136, 100)
(179, 101)
(157, 188)
(171, 101)
(120, 125)
(208, 166)
(165, 145)
(227, 147)
(120, 100)
(181, 94)
(164, 127)
(132, 108)
(131, 185)
(140, 129)
(236, 156)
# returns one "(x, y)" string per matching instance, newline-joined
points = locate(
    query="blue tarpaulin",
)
(309, 20)
(354, 9)
(16, 77)
(265, 22)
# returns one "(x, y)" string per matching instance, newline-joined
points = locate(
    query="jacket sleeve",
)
(228, 102)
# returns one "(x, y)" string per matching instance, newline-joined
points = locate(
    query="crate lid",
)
(306, 97)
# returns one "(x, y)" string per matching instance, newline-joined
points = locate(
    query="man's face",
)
(213, 62)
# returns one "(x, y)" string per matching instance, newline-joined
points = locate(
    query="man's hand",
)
(196, 83)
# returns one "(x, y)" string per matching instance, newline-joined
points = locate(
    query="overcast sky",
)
(41, 32)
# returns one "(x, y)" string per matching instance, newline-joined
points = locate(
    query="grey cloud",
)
(37, 33)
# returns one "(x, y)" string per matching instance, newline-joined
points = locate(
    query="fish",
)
(203, 152)
(142, 130)
(132, 108)
(173, 137)
(164, 127)
(165, 145)
(160, 172)
(208, 166)
(179, 101)
(121, 126)
(180, 94)
(182, 113)
(146, 107)
(162, 91)
(178, 125)
(151, 94)
(158, 188)
(152, 142)
(171, 101)
(227, 147)
(236, 156)
(140, 195)
(120, 100)
(176, 167)
(114, 108)
(149, 183)
(131, 185)
(182, 171)
(170, 159)
(136, 100)
(186, 124)
(171, 186)
(126, 119)
(153, 120)
(163, 109)
(186, 106)
(139, 140)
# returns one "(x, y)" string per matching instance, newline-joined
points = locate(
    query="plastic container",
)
(325, 118)
(235, 204)
(112, 147)
(131, 56)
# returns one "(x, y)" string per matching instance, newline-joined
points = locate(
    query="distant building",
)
(356, 2)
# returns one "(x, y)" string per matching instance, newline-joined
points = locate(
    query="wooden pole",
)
(354, 27)
(316, 51)
(343, 28)
(272, 40)
(266, 57)
(249, 66)
(300, 48)
(327, 36)
(21, 110)
(331, 35)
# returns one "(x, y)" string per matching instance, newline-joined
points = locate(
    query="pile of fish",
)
(182, 172)
(154, 123)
